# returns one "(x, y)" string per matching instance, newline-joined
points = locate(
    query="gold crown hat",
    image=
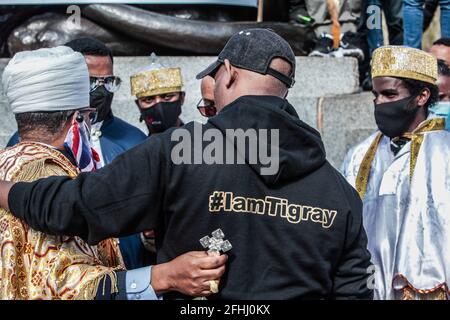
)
(404, 62)
(156, 79)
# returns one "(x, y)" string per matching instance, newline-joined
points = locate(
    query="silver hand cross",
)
(216, 243)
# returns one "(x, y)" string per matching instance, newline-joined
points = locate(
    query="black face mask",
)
(101, 99)
(394, 118)
(161, 116)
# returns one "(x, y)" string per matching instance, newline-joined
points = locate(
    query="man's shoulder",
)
(362, 146)
(128, 129)
(436, 142)
(24, 151)
(121, 133)
(354, 157)
(357, 152)
(28, 161)
(439, 135)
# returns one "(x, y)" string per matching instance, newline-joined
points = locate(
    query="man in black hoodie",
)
(294, 223)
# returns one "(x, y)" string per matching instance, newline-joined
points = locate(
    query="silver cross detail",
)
(216, 243)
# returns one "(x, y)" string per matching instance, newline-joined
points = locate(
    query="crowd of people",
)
(93, 208)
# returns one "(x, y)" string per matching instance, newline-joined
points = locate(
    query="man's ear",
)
(182, 95)
(65, 127)
(423, 97)
(230, 74)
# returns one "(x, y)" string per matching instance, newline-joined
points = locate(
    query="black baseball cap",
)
(254, 49)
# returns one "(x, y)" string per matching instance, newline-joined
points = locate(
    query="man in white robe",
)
(402, 174)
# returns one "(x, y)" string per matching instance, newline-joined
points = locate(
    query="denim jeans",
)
(393, 13)
(413, 21)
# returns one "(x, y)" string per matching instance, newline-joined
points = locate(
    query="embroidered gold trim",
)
(417, 137)
(397, 61)
(404, 74)
(362, 178)
(439, 292)
(34, 265)
(154, 82)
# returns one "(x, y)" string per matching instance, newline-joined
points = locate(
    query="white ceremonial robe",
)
(407, 222)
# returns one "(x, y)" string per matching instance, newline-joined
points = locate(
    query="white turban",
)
(54, 79)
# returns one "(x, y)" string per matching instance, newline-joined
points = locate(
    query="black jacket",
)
(295, 234)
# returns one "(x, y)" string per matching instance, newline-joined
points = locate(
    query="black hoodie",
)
(295, 234)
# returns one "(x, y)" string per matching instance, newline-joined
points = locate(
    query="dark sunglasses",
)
(111, 84)
(92, 113)
(206, 108)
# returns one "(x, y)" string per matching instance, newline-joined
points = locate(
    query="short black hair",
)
(442, 42)
(41, 123)
(90, 47)
(416, 86)
(443, 68)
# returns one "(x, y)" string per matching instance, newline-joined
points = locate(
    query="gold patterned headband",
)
(404, 62)
(155, 82)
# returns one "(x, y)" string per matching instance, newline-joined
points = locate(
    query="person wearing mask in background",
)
(397, 170)
(110, 135)
(442, 108)
(159, 96)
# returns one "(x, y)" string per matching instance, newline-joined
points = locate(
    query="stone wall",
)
(325, 96)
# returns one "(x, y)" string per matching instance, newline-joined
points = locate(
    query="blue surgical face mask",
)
(442, 109)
